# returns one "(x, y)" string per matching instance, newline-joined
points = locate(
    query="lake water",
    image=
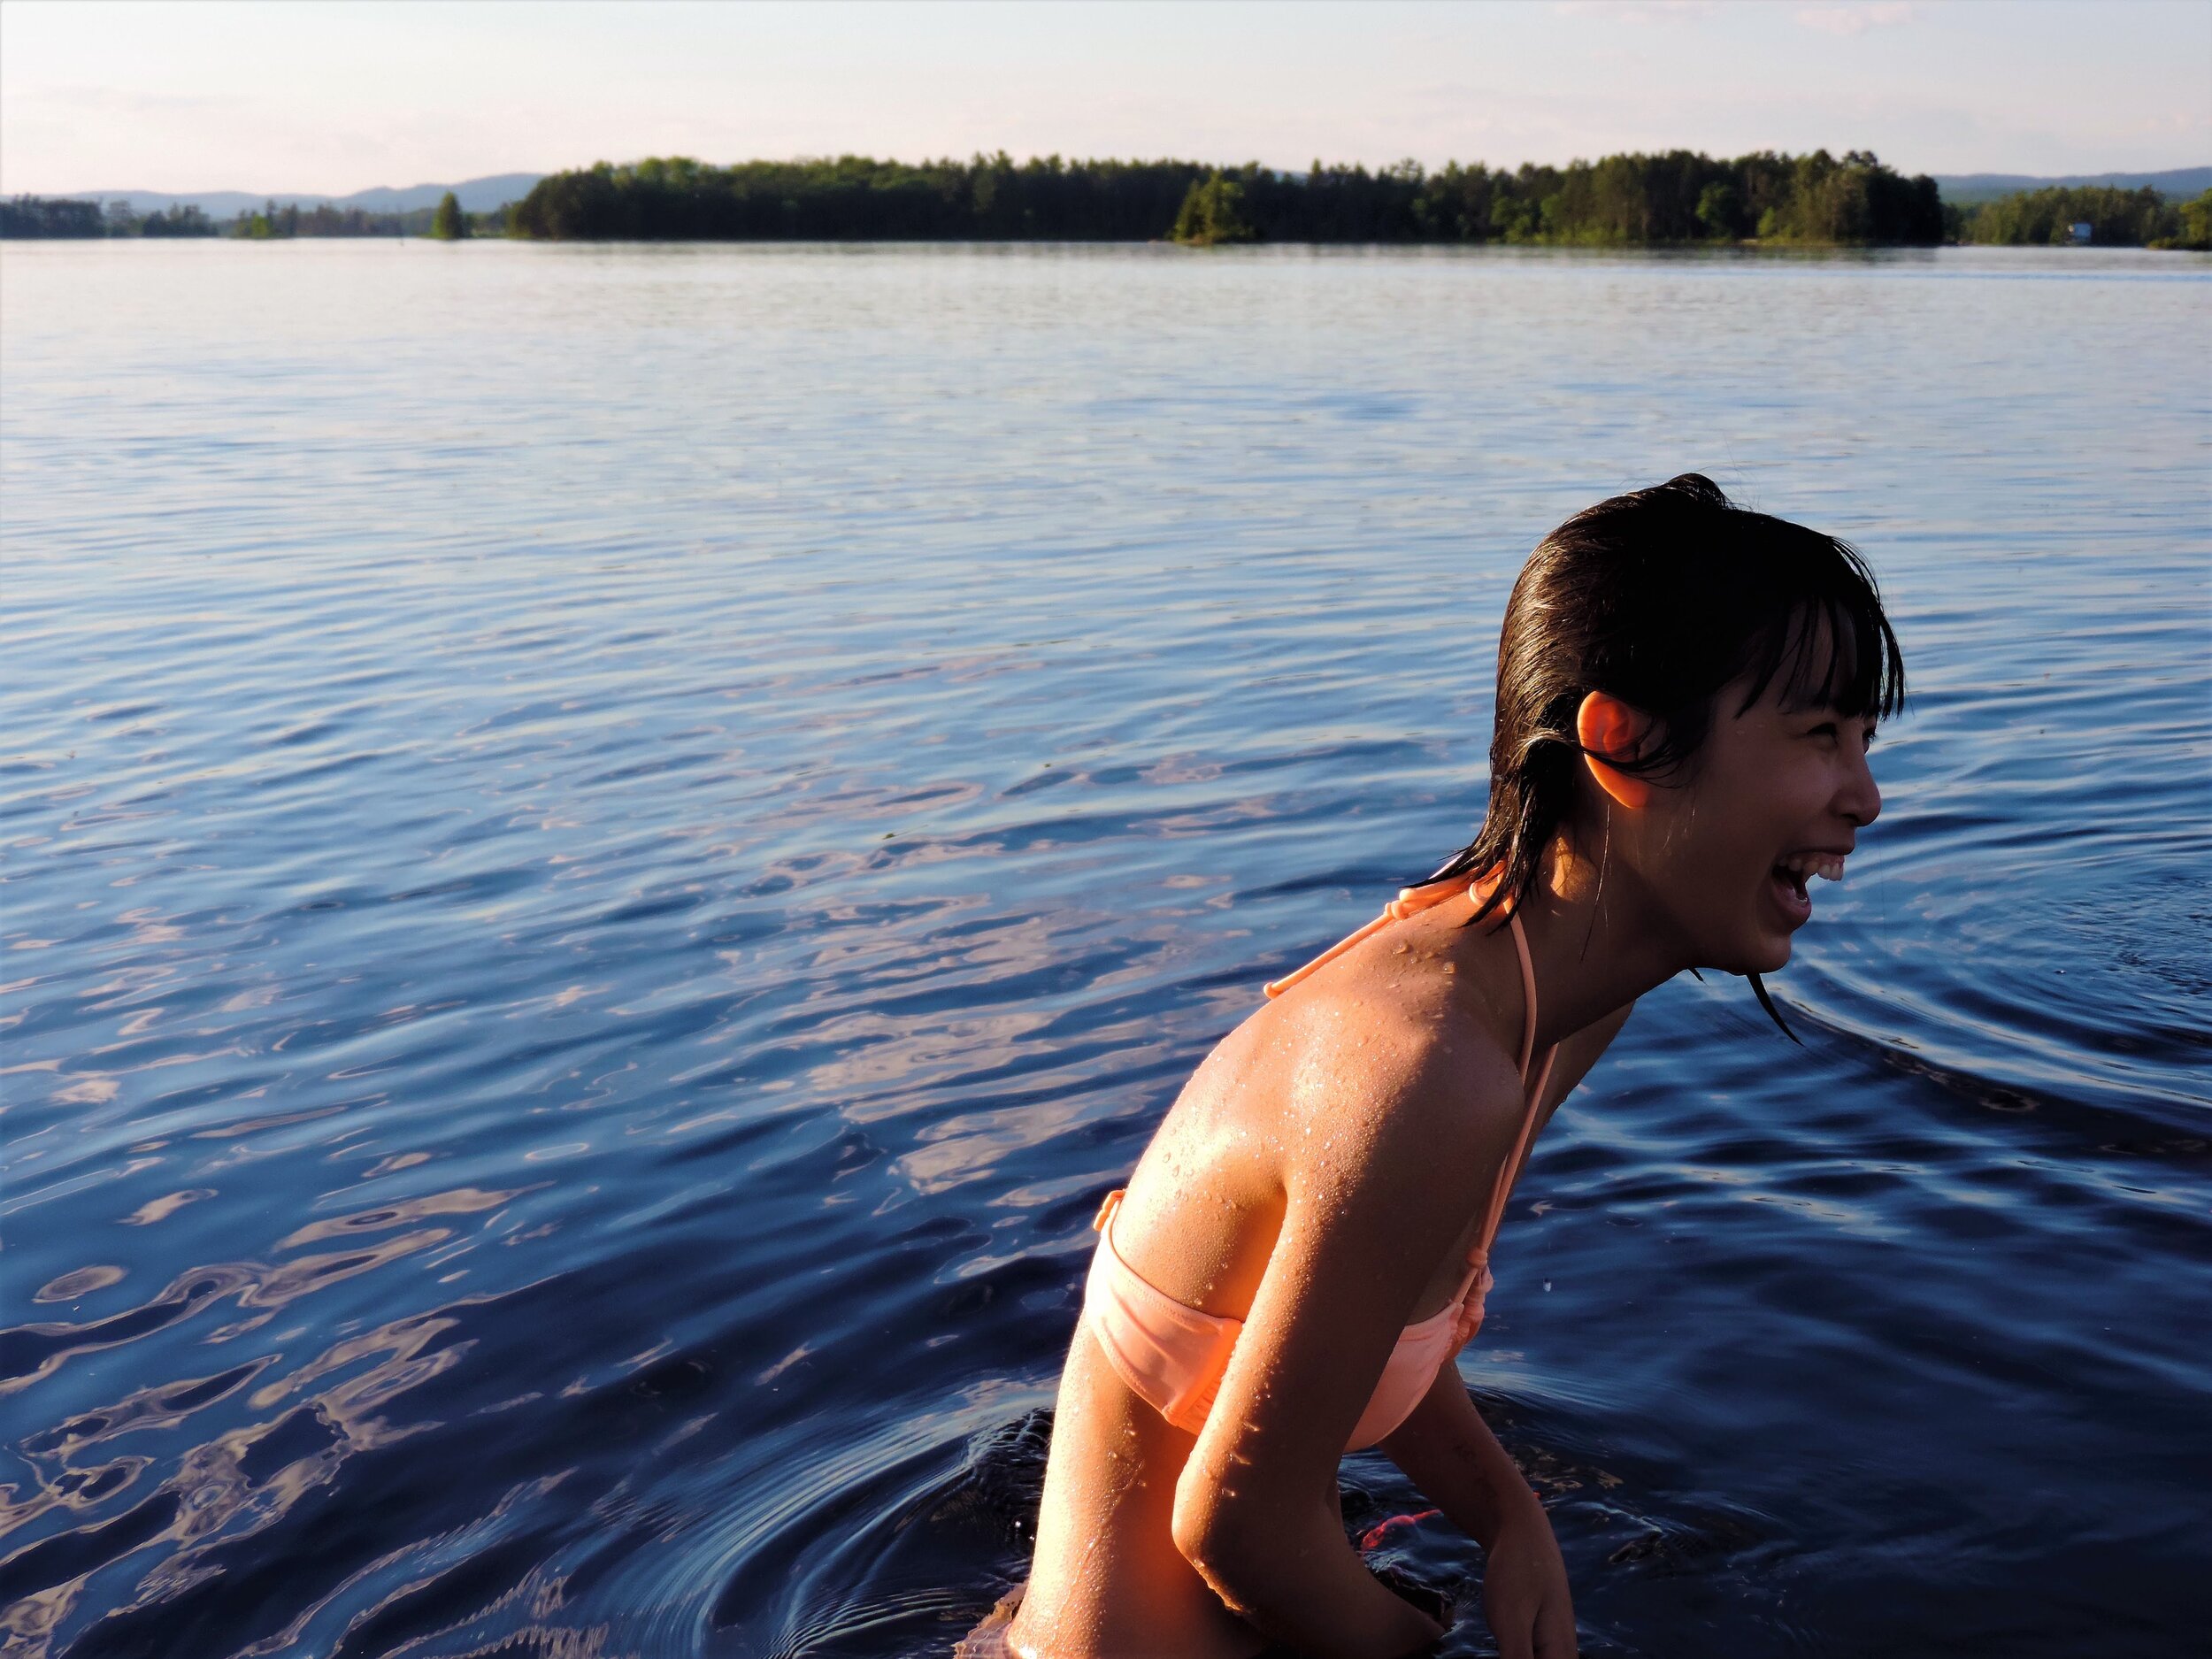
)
(607, 849)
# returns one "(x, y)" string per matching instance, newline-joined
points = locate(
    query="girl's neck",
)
(1596, 942)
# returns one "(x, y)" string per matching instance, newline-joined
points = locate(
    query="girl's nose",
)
(1862, 799)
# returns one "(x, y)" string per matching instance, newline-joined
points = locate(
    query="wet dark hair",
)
(1660, 598)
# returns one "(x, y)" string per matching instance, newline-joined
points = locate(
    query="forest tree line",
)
(1637, 200)
(52, 216)
(38, 216)
(2115, 218)
(1679, 197)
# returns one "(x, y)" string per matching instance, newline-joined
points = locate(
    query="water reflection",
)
(621, 893)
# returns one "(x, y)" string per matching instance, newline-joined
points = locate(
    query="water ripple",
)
(606, 850)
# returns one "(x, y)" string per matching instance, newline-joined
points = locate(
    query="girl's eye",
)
(1826, 728)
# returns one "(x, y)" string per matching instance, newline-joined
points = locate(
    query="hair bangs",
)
(1834, 649)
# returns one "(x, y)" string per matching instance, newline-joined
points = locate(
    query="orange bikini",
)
(1173, 1356)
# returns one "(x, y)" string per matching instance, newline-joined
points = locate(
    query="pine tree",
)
(1213, 211)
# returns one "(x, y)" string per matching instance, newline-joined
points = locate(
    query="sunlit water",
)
(606, 851)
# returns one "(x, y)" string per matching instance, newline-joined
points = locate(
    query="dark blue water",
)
(606, 850)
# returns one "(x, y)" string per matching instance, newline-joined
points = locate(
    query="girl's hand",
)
(1525, 1590)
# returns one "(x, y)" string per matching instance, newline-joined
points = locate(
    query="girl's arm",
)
(1450, 1453)
(1447, 1451)
(1375, 1197)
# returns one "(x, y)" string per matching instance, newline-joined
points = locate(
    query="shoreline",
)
(1749, 245)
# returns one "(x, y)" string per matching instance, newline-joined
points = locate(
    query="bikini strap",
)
(1531, 1099)
(1528, 997)
(1410, 901)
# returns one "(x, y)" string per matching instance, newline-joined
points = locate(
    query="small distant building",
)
(2079, 231)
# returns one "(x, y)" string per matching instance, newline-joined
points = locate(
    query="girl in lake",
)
(1686, 692)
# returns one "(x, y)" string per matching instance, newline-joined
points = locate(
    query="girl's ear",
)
(1609, 726)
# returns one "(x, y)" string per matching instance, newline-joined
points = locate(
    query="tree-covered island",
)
(1637, 200)
(1678, 198)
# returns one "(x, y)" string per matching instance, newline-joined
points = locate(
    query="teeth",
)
(1826, 866)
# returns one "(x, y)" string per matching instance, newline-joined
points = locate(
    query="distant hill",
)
(1966, 188)
(478, 196)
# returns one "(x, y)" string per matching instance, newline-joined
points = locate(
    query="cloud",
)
(1854, 19)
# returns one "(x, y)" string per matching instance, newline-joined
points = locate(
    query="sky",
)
(332, 96)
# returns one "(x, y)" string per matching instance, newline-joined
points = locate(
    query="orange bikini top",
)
(1173, 1356)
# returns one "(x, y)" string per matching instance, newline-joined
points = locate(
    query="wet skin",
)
(1321, 1177)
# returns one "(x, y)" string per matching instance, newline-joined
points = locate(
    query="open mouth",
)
(1790, 880)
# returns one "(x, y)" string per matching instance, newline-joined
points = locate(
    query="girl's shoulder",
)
(1362, 1081)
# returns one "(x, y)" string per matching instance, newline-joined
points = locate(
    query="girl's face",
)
(1777, 797)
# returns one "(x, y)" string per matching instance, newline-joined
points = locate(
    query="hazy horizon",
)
(336, 99)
